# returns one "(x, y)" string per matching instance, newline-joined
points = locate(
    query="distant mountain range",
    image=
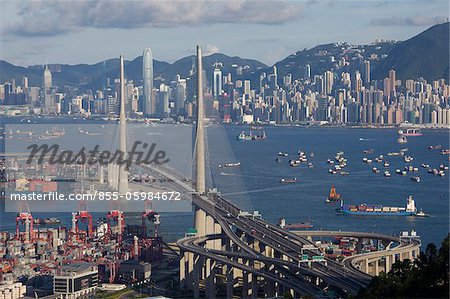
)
(425, 55)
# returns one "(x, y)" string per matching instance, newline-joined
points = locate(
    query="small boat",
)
(288, 181)
(368, 151)
(435, 147)
(278, 160)
(344, 173)
(331, 171)
(310, 165)
(402, 139)
(386, 164)
(375, 170)
(425, 165)
(445, 152)
(329, 161)
(415, 179)
(403, 150)
(283, 154)
(229, 165)
(422, 214)
(294, 163)
(395, 153)
(387, 173)
(408, 159)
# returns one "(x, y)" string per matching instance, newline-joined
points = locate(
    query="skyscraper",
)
(328, 76)
(392, 81)
(307, 71)
(217, 81)
(147, 71)
(366, 72)
(47, 84)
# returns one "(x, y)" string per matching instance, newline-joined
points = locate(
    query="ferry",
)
(288, 181)
(251, 136)
(379, 210)
(410, 132)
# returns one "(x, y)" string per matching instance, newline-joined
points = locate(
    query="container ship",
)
(379, 210)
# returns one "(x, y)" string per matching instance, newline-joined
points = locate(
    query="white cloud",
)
(210, 49)
(53, 17)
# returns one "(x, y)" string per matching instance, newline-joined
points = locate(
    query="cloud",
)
(409, 21)
(54, 17)
(210, 49)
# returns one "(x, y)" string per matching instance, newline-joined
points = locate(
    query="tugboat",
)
(333, 195)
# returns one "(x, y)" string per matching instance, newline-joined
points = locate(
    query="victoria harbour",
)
(255, 185)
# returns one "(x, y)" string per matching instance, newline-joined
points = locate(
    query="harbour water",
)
(255, 184)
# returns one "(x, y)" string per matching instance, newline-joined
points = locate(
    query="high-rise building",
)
(367, 72)
(307, 71)
(275, 76)
(217, 81)
(47, 84)
(147, 71)
(392, 81)
(328, 76)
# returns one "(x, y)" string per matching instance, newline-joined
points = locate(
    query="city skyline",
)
(258, 34)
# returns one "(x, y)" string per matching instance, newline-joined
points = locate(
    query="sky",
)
(90, 31)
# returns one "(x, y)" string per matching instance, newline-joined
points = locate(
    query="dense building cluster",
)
(343, 94)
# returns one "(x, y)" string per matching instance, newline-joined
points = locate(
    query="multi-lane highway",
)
(286, 267)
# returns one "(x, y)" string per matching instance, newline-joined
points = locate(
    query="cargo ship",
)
(379, 210)
(282, 223)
